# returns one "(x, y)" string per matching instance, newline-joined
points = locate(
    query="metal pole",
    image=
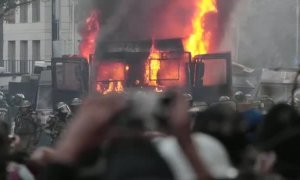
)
(297, 33)
(237, 40)
(73, 27)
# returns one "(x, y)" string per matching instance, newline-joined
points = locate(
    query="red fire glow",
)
(163, 73)
(157, 73)
(89, 35)
(152, 66)
(200, 37)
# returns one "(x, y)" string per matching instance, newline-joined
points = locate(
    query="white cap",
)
(210, 150)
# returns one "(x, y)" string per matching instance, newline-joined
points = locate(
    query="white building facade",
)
(38, 31)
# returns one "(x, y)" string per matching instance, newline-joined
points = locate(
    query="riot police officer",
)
(4, 107)
(18, 99)
(27, 126)
(189, 99)
(15, 103)
(239, 97)
(75, 104)
(58, 121)
(224, 99)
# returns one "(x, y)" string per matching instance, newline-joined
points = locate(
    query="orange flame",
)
(89, 35)
(199, 40)
(113, 87)
(152, 66)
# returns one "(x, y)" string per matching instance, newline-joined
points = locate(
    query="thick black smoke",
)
(130, 20)
(144, 19)
(262, 33)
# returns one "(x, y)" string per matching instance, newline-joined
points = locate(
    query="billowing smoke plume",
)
(126, 20)
(143, 19)
(262, 33)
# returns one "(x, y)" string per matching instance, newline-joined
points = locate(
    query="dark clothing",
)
(136, 159)
(27, 126)
(125, 160)
(4, 115)
(56, 124)
(58, 172)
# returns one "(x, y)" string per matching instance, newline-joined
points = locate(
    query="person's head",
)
(239, 97)
(18, 98)
(4, 139)
(266, 103)
(63, 108)
(25, 106)
(278, 140)
(2, 99)
(252, 118)
(4, 147)
(224, 123)
(75, 104)
(224, 99)
(189, 99)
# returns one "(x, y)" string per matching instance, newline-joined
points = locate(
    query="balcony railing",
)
(17, 66)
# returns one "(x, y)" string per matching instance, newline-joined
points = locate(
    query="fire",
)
(113, 87)
(152, 66)
(111, 76)
(119, 87)
(89, 35)
(199, 40)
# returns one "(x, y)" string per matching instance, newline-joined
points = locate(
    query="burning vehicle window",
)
(68, 76)
(214, 72)
(168, 70)
(111, 77)
(111, 71)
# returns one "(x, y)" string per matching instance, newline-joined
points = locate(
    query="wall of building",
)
(64, 15)
(30, 31)
(42, 31)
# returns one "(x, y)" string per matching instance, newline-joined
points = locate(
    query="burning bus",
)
(152, 65)
(161, 64)
(142, 53)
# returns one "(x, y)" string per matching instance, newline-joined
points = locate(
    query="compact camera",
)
(147, 111)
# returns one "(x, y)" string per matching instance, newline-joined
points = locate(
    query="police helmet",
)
(20, 96)
(63, 107)
(25, 104)
(189, 98)
(76, 102)
(224, 99)
(296, 101)
(239, 96)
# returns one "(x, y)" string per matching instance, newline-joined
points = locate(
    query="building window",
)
(10, 16)
(36, 50)
(36, 11)
(11, 65)
(24, 13)
(55, 21)
(55, 30)
(24, 57)
(11, 50)
(24, 50)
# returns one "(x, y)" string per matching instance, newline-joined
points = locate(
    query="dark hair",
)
(4, 147)
(281, 123)
(225, 124)
(280, 132)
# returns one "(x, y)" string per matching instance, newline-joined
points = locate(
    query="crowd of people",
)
(146, 136)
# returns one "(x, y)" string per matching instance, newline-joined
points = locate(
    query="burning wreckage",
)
(154, 65)
(147, 63)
